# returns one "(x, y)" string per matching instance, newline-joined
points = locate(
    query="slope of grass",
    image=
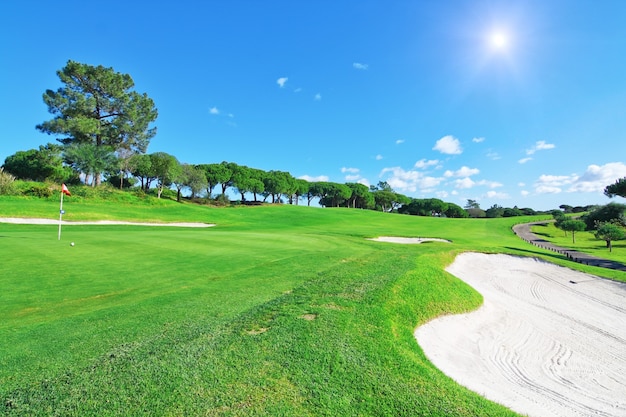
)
(584, 242)
(278, 310)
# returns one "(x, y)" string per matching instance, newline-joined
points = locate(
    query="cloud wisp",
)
(282, 81)
(360, 66)
(423, 163)
(540, 145)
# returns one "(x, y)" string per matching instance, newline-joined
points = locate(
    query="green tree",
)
(607, 213)
(610, 232)
(277, 183)
(384, 199)
(495, 211)
(573, 226)
(96, 105)
(190, 177)
(472, 204)
(559, 217)
(316, 189)
(125, 164)
(142, 169)
(228, 170)
(512, 212)
(40, 164)
(619, 188)
(242, 180)
(455, 211)
(476, 213)
(196, 180)
(302, 188)
(358, 198)
(91, 160)
(166, 167)
(215, 174)
(334, 194)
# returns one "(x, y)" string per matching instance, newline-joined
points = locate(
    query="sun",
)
(498, 40)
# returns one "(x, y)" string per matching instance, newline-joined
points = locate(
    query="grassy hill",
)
(278, 310)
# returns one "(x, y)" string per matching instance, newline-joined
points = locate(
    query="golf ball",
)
(72, 244)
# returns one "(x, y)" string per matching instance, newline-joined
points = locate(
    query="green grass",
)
(278, 310)
(585, 242)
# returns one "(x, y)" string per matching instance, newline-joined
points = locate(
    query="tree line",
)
(104, 128)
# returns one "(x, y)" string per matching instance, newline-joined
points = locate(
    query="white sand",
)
(548, 341)
(408, 240)
(16, 220)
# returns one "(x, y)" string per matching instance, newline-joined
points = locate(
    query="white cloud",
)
(454, 192)
(379, 157)
(540, 145)
(524, 160)
(352, 178)
(546, 189)
(596, 177)
(553, 184)
(360, 66)
(441, 194)
(314, 179)
(524, 193)
(281, 81)
(448, 145)
(478, 140)
(350, 170)
(462, 172)
(297, 90)
(214, 110)
(521, 184)
(490, 184)
(364, 181)
(232, 116)
(464, 183)
(317, 97)
(498, 195)
(409, 181)
(423, 163)
(399, 141)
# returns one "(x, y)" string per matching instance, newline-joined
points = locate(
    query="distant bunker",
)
(408, 240)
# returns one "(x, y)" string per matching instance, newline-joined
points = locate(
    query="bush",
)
(39, 190)
(221, 200)
(7, 183)
(114, 180)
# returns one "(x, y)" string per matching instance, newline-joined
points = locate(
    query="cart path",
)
(523, 231)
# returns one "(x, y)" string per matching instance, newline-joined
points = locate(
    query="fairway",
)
(277, 310)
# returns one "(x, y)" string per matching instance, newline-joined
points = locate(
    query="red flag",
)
(65, 191)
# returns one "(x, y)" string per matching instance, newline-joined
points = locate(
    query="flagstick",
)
(60, 215)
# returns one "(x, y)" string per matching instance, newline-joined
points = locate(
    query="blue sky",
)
(505, 102)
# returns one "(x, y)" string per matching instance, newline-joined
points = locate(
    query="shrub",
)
(39, 190)
(7, 182)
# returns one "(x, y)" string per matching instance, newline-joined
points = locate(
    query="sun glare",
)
(498, 40)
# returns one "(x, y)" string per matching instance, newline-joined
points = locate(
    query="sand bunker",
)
(16, 220)
(548, 341)
(408, 240)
